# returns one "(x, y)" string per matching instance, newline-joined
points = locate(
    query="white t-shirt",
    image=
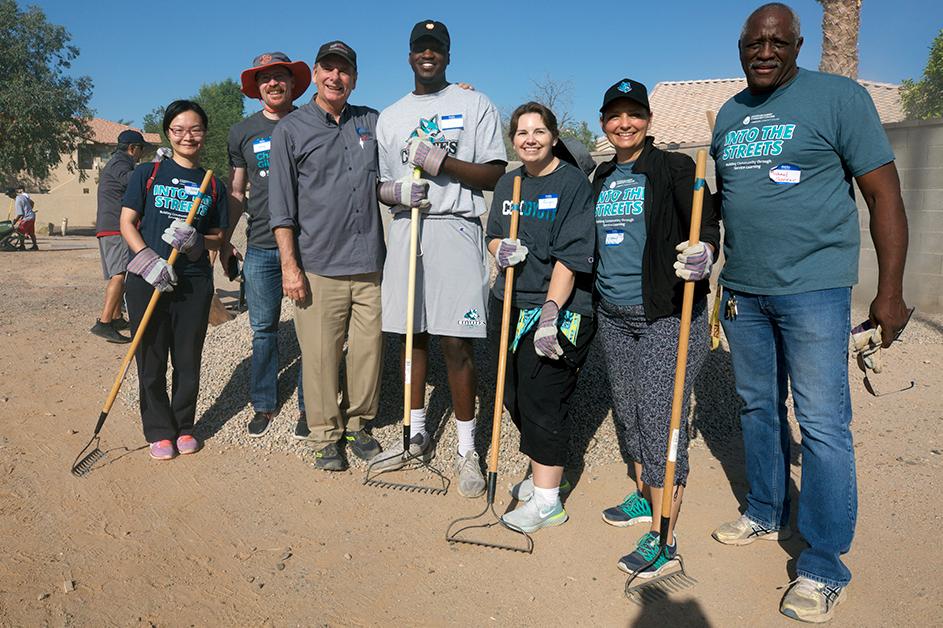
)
(463, 122)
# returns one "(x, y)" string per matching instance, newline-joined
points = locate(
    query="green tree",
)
(581, 132)
(153, 123)
(223, 104)
(43, 112)
(923, 99)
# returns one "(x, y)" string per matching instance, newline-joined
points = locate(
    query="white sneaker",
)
(393, 458)
(470, 481)
(811, 601)
(744, 531)
(530, 517)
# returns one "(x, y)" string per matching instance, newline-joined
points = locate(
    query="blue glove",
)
(545, 338)
(694, 262)
(153, 269)
(184, 238)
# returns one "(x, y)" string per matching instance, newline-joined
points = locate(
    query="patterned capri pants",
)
(641, 357)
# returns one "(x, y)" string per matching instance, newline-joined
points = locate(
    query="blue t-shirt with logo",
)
(620, 236)
(785, 164)
(171, 197)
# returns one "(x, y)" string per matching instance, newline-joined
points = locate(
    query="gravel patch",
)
(223, 407)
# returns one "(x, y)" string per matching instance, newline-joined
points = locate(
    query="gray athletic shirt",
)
(463, 122)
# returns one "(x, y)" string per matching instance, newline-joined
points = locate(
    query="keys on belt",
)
(730, 312)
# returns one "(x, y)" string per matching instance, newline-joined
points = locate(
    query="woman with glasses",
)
(153, 222)
(643, 216)
(552, 315)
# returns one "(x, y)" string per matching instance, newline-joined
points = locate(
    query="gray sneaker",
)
(530, 517)
(811, 601)
(362, 444)
(470, 481)
(524, 490)
(744, 531)
(393, 458)
(329, 458)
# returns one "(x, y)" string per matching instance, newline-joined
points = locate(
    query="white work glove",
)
(153, 269)
(694, 262)
(867, 349)
(404, 193)
(510, 253)
(425, 155)
(545, 338)
(185, 238)
(163, 153)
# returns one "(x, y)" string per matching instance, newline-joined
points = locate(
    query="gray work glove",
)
(184, 238)
(510, 253)
(425, 155)
(694, 262)
(404, 193)
(163, 153)
(545, 338)
(153, 269)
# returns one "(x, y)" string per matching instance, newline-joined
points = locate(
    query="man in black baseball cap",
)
(433, 29)
(626, 88)
(112, 182)
(340, 49)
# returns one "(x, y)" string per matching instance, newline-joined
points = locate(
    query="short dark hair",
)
(177, 107)
(534, 107)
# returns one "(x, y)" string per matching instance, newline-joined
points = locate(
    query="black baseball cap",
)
(130, 136)
(431, 28)
(626, 88)
(340, 49)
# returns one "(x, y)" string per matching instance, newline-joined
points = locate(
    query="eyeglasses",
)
(196, 132)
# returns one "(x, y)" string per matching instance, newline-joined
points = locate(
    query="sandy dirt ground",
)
(237, 537)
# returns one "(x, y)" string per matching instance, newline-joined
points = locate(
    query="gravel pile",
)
(223, 408)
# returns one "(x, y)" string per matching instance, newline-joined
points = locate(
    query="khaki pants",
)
(338, 306)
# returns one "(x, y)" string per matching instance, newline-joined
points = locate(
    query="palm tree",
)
(840, 22)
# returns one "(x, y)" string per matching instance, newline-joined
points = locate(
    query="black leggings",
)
(178, 326)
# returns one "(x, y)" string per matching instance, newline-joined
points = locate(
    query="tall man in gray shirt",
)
(326, 220)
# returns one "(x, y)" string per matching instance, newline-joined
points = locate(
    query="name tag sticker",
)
(190, 188)
(263, 143)
(614, 237)
(785, 174)
(451, 122)
(547, 201)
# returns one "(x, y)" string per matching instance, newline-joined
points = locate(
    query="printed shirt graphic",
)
(171, 197)
(784, 164)
(464, 123)
(249, 146)
(620, 236)
(556, 224)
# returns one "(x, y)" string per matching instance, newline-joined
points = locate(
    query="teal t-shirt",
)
(620, 236)
(785, 163)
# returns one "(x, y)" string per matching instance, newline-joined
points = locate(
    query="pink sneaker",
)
(162, 450)
(187, 444)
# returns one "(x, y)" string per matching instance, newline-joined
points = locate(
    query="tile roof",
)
(106, 132)
(680, 108)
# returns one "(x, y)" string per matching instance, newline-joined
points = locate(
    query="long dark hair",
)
(177, 107)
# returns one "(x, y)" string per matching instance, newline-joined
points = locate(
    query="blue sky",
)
(144, 54)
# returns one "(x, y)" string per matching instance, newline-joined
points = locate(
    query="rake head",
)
(84, 462)
(485, 520)
(659, 587)
(408, 464)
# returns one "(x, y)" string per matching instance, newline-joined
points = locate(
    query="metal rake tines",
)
(414, 488)
(453, 536)
(83, 465)
(410, 463)
(659, 587)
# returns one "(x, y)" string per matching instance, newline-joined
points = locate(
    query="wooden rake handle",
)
(505, 328)
(410, 316)
(126, 362)
(687, 305)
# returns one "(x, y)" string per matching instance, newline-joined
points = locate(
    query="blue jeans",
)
(263, 277)
(800, 339)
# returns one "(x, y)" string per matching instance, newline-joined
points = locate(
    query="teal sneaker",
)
(633, 509)
(645, 551)
(524, 490)
(530, 517)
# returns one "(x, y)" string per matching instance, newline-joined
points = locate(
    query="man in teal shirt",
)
(787, 150)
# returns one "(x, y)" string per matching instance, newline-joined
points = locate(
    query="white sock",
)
(546, 496)
(466, 436)
(417, 422)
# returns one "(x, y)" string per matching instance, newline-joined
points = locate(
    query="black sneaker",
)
(330, 459)
(362, 444)
(301, 427)
(106, 331)
(119, 324)
(260, 423)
